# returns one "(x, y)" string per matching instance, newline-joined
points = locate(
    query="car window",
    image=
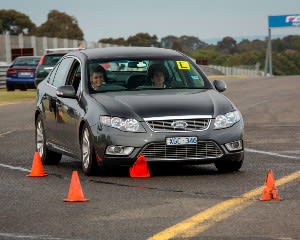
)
(74, 76)
(51, 60)
(144, 74)
(26, 61)
(62, 72)
(51, 75)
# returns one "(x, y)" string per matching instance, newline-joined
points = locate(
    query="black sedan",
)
(108, 106)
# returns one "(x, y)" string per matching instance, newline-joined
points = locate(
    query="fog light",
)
(234, 146)
(118, 150)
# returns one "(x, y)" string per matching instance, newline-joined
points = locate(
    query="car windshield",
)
(52, 59)
(144, 74)
(26, 61)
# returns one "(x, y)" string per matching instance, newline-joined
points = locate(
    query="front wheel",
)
(48, 157)
(88, 159)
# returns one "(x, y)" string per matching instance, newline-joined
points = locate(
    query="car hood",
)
(161, 103)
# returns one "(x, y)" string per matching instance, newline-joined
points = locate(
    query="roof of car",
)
(19, 57)
(56, 54)
(60, 50)
(131, 52)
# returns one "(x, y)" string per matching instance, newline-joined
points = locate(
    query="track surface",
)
(120, 207)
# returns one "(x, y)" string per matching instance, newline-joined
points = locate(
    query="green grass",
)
(16, 96)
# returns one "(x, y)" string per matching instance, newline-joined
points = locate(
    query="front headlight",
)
(123, 124)
(227, 120)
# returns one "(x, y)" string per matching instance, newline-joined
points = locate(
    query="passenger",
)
(81, 45)
(156, 75)
(98, 77)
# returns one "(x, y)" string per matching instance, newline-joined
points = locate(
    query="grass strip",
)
(16, 96)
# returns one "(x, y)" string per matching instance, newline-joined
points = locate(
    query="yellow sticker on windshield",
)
(183, 65)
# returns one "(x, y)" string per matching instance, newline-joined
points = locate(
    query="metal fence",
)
(3, 76)
(239, 71)
(38, 44)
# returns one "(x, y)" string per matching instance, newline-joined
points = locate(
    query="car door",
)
(58, 80)
(49, 109)
(70, 112)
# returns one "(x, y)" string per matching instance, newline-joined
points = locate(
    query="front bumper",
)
(210, 148)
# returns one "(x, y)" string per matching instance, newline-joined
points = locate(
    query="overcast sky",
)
(205, 19)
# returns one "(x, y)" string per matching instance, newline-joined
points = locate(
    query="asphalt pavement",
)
(190, 202)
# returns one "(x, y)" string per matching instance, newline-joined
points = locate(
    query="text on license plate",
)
(25, 74)
(181, 140)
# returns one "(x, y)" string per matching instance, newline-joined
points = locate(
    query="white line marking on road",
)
(270, 153)
(5, 133)
(23, 236)
(14, 168)
(291, 152)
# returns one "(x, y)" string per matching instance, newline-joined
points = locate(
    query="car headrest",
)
(136, 80)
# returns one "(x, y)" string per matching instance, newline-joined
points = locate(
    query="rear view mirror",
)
(137, 64)
(67, 91)
(220, 85)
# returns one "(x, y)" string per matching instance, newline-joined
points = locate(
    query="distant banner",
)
(292, 20)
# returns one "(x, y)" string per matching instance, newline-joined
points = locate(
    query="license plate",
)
(181, 140)
(25, 74)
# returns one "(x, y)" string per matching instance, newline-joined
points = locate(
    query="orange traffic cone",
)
(75, 191)
(140, 168)
(37, 169)
(270, 191)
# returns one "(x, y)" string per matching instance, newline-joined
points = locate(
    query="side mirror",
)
(220, 85)
(67, 91)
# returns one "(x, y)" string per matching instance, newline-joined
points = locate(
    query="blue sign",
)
(292, 20)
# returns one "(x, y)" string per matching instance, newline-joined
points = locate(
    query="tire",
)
(48, 157)
(229, 166)
(88, 158)
(9, 88)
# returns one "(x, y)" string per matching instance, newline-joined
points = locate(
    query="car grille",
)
(201, 150)
(165, 125)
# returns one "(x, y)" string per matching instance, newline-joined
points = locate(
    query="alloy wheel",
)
(85, 148)
(39, 138)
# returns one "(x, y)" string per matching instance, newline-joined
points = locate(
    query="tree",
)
(286, 63)
(186, 44)
(60, 25)
(249, 58)
(117, 41)
(191, 43)
(209, 54)
(278, 45)
(15, 23)
(227, 45)
(169, 41)
(292, 42)
(140, 39)
(143, 39)
(244, 45)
